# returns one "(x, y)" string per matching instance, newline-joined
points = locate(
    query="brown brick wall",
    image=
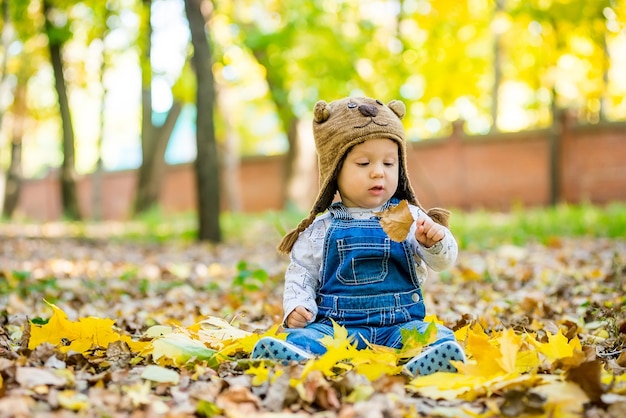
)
(470, 172)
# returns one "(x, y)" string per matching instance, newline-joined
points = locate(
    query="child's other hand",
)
(298, 318)
(428, 232)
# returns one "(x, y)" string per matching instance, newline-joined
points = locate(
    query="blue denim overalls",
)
(368, 284)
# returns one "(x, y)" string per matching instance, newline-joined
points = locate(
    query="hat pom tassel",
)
(439, 215)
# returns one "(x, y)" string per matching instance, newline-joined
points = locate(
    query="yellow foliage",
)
(73, 400)
(246, 342)
(568, 353)
(178, 347)
(262, 374)
(566, 399)
(506, 360)
(216, 332)
(376, 362)
(78, 336)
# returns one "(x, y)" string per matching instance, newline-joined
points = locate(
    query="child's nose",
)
(377, 170)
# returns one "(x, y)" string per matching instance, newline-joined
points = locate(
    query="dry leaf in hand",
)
(396, 221)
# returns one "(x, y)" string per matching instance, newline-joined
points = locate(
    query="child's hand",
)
(298, 318)
(428, 232)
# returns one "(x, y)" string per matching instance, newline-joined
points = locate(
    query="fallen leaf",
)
(73, 400)
(396, 221)
(79, 336)
(177, 348)
(588, 376)
(565, 399)
(32, 376)
(160, 374)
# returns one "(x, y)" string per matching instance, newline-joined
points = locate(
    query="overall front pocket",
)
(363, 260)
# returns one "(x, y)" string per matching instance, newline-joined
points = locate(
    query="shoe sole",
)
(279, 350)
(436, 359)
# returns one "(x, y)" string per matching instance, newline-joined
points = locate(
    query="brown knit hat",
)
(342, 124)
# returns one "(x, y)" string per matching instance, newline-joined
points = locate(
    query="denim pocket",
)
(363, 260)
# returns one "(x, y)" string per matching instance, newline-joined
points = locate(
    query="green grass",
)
(482, 229)
(477, 229)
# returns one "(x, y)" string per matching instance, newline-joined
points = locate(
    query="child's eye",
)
(363, 164)
(390, 164)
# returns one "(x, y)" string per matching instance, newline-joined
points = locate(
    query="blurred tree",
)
(206, 164)
(22, 56)
(100, 31)
(444, 59)
(308, 51)
(13, 176)
(57, 29)
(497, 23)
(449, 54)
(558, 49)
(14, 173)
(559, 28)
(154, 139)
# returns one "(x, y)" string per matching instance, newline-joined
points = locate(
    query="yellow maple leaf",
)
(510, 344)
(342, 355)
(262, 374)
(527, 361)
(339, 349)
(469, 387)
(216, 332)
(179, 346)
(79, 336)
(339, 338)
(563, 399)
(246, 343)
(559, 349)
(462, 333)
(375, 362)
(486, 354)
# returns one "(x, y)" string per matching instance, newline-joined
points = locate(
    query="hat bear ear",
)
(321, 113)
(398, 108)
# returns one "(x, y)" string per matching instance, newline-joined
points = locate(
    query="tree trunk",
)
(98, 174)
(6, 39)
(231, 153)
(606, 64)
(288, 121)
(14, 178)
(14, 174)
(69, 196)
(206, 165)
(150, 173)
(497, 66)
(154, 139)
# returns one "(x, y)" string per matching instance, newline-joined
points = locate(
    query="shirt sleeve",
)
(440, 256)
(302, 277)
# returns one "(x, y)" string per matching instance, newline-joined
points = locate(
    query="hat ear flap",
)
(321, 113)
(398, 108)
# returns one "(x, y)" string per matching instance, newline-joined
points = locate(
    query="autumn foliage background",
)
(134, 325)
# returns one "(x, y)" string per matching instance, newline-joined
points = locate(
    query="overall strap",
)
(339, 211)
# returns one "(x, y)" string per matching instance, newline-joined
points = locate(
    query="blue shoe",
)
(270, 348)
(436, 359)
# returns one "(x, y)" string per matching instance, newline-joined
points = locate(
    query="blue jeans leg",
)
(308, 338)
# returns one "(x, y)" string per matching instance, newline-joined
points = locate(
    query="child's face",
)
(369, 174)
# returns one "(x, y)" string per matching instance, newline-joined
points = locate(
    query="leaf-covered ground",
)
(105, 327)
